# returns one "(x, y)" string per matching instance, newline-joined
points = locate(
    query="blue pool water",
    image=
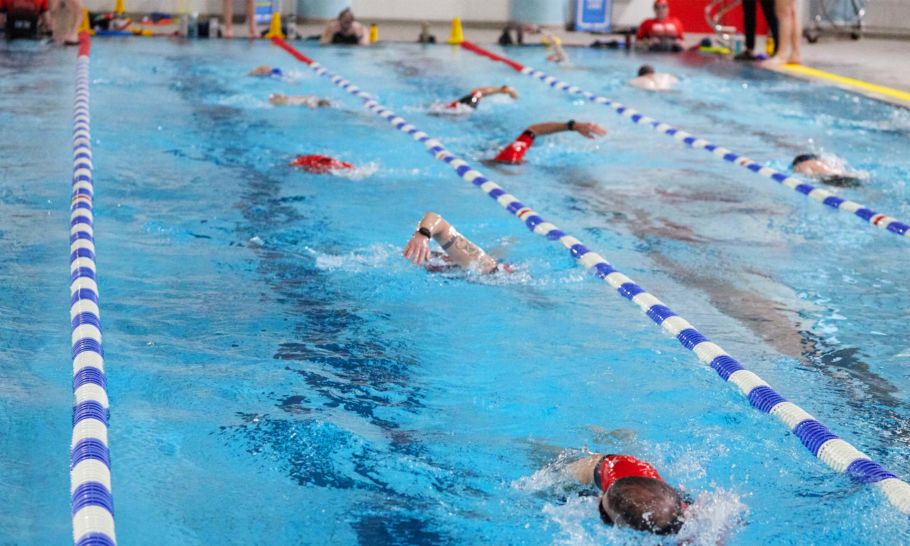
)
(280, 375)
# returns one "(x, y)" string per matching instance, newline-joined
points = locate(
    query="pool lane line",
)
(890, 94)
(821, 195)
(821, 442)
(90, 466)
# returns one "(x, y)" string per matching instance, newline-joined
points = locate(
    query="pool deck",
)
(878, 68)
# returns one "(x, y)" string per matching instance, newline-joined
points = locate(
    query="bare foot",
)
(227, 32)
(254, 33)
(795, 59)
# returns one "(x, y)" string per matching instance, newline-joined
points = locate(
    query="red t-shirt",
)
(657, 28)
(37, 6)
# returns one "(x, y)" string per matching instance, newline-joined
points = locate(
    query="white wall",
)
(434, 10)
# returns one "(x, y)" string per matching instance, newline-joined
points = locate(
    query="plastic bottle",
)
(193, 26)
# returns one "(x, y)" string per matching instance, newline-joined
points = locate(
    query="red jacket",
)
(34, 6)
(655, 28)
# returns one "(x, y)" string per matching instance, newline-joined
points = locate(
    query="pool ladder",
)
(715, 12)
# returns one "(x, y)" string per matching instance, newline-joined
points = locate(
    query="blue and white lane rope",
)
(825, 445)
(90, 467)
(817, 194)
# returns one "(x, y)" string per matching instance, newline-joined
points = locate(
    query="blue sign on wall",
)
(594, 15)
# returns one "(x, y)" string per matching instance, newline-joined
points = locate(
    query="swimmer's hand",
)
(418, 249)
(510, 91)
(589, 130)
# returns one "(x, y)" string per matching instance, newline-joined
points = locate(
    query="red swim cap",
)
(616, 467)
(319, 164)
(515, 152)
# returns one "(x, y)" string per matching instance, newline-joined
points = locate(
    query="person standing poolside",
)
(633, 493)
(515, 152)
(66, 16)
(472, 99)
(24, 18)
(227, 9)
(791, 31)
(749, 9)
(345, 30)
(457, 247)
(650, 80)
(661, 33)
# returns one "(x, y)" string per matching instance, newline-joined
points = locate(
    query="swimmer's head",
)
(644, 504)
(323, 103)
(346, 18)
(645, 70)
(802, 158)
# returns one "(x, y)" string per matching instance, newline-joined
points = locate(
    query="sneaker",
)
(745, 55)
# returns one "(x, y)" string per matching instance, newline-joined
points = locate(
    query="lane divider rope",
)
(90, 466)
(821, 442)
(821, 195)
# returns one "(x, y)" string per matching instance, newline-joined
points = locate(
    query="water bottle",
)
(193, 24)
(214, 28)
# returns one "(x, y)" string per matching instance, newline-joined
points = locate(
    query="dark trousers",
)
(767, 6)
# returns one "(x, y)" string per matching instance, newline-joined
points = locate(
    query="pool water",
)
(279, 374)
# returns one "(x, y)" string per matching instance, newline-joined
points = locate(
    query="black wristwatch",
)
(570, 125)
(425, 232)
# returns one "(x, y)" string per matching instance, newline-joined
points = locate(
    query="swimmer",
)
(459, 249)
(320, 164)
(650, 80)
(515, 152)
(345, 30)
(266, 72)
(813, 166)
(634, 494)
(311, 101)
(472, 99)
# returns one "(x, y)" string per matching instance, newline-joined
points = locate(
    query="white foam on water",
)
(375, 256)
(357, 173)
(244, 101)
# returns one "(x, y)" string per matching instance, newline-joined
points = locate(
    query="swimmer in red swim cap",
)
(472, 99)
(320, 164)
(457, 247)
(634, 494)
(515, 152)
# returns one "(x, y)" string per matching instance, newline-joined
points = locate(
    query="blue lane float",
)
(821, 195)
(90, 462)
(835, 452)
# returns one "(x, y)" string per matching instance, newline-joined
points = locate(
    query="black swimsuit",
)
(350, 39)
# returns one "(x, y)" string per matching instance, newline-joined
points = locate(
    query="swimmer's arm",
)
(330, 29)
(584, 128)
(505, 89)
(462, 251)
(583, 469)
(363, 36)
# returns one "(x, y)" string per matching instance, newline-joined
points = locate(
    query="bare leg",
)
(228, 12)
(797, 32)
(251, 18)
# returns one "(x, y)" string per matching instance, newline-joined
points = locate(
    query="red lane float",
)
(293, 51)
(85, 44)
(470, 46)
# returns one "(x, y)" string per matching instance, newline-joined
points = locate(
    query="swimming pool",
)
(279, 374)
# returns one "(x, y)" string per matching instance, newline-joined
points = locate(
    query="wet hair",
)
(803, 158)
(345, 11)
(645, 70)
(647, 504)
